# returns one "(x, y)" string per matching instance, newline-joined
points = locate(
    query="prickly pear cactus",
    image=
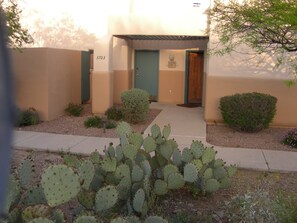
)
(149, 144)
(218, 163)
(146, 168)
(208, 173)
(119, 153)
(198, 164)
(122, 171)
(123, 128)
(156, 131)
(169, 169)
(36, 211)
(86, 173)
(155, 219)
(119, 220)
(25, 172)
(176, 157)
(86, 219)
(71, 160)
(137, 173)
(34, 196)
(225, 182)
(166, 150)
(166, 131)
(124, 188)
(41, 220)
(175, 181)
(219, 173)
(110, 151)
(58, 216)
(86, 199)
(108, 164)
(13, 193)
(187, 155)
(212, 185)
(60, 184)
(138, 200)
(197, 149)
(190, 173)
(231, 170)
(95, 157)
(106, 198)
(160, 187)
(136, 139)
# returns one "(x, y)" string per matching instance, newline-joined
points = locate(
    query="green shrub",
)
(291, 138)
(27, 117)
(135, 105)
(285, 208)
(93, 122)
(114, 113)
(248, 112)
(74, 109)
(110, 124)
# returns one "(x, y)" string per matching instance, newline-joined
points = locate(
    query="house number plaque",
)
(100, 57)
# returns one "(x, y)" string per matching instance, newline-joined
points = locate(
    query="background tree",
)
(17, 35)
(267, 26)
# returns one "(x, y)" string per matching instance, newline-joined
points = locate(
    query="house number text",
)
(100, 57)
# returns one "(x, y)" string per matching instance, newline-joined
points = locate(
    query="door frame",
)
(134, 67)
(187, 63)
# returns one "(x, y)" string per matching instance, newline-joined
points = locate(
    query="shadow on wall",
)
(62, 33)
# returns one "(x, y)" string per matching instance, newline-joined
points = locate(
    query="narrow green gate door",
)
(146, 71)
(85, 76)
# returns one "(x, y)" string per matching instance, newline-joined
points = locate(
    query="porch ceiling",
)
(161, 37)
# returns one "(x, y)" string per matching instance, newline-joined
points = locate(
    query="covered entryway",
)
(147, 71)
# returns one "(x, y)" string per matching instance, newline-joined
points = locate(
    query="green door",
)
(85, 76)
(146, 71)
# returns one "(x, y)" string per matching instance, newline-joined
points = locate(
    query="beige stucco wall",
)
(47, 79)
(219, 86)
(121, 82)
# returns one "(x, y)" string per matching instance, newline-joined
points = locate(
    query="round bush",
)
(27, 117)
(248, 112)
(114, 113)
(291, 138)
(93, 122)
(135, 105)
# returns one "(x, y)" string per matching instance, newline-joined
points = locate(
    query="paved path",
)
(186, 123)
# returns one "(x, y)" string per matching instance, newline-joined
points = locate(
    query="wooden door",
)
(195, 84)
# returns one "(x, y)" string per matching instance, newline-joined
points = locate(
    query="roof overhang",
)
(161, 37)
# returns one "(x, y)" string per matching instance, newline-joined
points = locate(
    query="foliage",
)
(17, 35)
(94, 122)
(114, 113)
(249, 112)
(74, 109)
(285, 208)
(291, 138)
(135, 105)
(182, 217)
(27, 117)
(267, 26)
(126, 181)
(110, 124)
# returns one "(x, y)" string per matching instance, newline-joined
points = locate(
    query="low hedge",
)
(248, 112)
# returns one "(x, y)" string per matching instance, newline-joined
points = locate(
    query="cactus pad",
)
(130, 151)
(208, 155)
(198, 164)
(119, 153)
(106, 198)
(208, 173)
(41, 220)
(71, 160)
(219, 173)
(190, 173)
(86, 173)
(110, 152)
(175, 181)
(146, 168)
(123, 128)
(231, 170)
(35, 196)
(155, 219)
(160, 187)
(60, 184)
(176, 157)
(212, 185)
(166, 131)
(136, 139)
(138, 200)
(122, 170)
(36, 211)
(197, 149)
(109, 164)
(25, 172)
(218, 163)
(137, 173)
(225, 182)
(156, 131)
(187, 155)
(169, 169)
(149, 144)
(124, 188)
(13, 193)
(166, 150)
(86, 219)
(58, 216)
(119, 220)
(86, 199)
(95, 157)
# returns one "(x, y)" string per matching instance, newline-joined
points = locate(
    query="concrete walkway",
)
(186, 125)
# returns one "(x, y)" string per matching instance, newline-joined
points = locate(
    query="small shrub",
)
(114, 113)
(74, 109)
(110, 124)
(248, 112)
(93, 122)
(135, 105)
(285, 208)
(291, 138)
(27, 117)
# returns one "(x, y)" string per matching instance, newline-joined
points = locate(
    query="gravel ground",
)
(70, 125)
(269, 139)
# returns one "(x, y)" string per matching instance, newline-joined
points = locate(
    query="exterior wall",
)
(121, 82)
(219, 86)
(47, 79)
